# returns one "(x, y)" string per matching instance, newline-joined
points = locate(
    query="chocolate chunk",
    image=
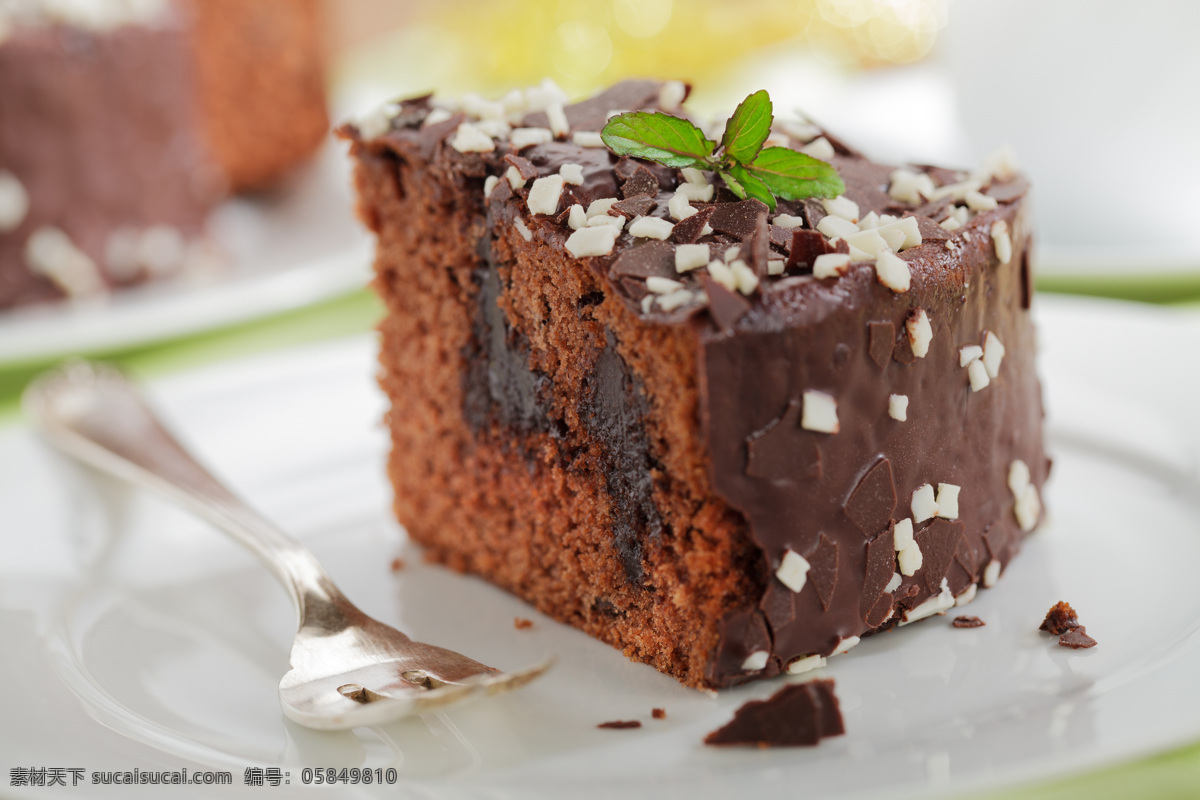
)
(873, 500)
(967, 622)
(964, 562)
(1009, 191)
(591, 114)
(806, 246)
(740, 219)
(931, 231)
(934, 209)
(778, 604)
(651, 257)
(881, 338)
(781, 238)
(903, 352)
(641, 182)
(841, 355)
(995, 539)
(742, 632)
(881, 565)
(725, 307)
(430, 136)
(638, 206)
(781, 451)
(823, 569)
(797, 715)
(938, 542)
(688, 230)
(620, 724)
(879, 612)
(625, 167)
(756, 249)
(1076, 639)
(1059, 619)
(523, 166)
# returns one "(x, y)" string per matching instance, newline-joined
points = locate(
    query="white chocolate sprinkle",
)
(819, 412)
(830, 265)
(528, 137)
(489, 185)
(722, 274)
(691, 256)
(468, 138)
(991, 574)
(514, 178)
(558, 120)
(495, 128)
(841, 206)
(671, 94)
(940, 603)
(977, 375)
(977, 201)
(804, 664)
(923, 504)
(905, 232)
(747, 280)
(693, 175)
(776, 266)
(545, 194)
(910, 559)
(788, 221)
(577, 217)
(793, 570)
(650, 228)
(51, 253)
(969, 353)
(898, 407)
(598, 208)
(378, 121)
(894, 583)
(1027, 508)
(819, 148)
(608, 220)
(755, 661)
(920, 332)
(731, 254)
(993, 354)
(844, 644)
(1018, 477)
(835, 227)
(893, 272)
(592, 241)
(436, 116)
(673, 300)
(679, 206)
(588, 139)
(1002, 241)
(14, 201)
(526, 234)
(902, 534)
(660, 285)
(571, 173)
(947, 500)
(700, 193)
(966, 595)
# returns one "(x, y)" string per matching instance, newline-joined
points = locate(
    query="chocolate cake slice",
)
(726, 440)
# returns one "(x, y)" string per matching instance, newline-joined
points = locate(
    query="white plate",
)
(290, 247)
(136, 638)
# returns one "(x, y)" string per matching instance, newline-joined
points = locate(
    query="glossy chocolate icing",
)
(832, 498)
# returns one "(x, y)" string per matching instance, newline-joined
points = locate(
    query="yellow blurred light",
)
(642, 19)
(582, 49)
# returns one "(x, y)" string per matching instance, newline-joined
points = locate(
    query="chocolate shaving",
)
(778, 604)
(742, 632)
(938, 542)
(967, 622)
(781, 451)
(781, 238)
(807, 245)
(688, 230)
(799, 715)
(823, 569)
(523, 166)
(430, 136)
(756, 249)
(873, 500)
(651, 257)
(881, 565)
(638, 206)
(931, 231)
(620, 724)
(641, 182)
(1076, 639)
(740, 219)
(1059, 619)
(625, 167)
(881, 338)
(1009, 191)
(725, 307)
(934, 209)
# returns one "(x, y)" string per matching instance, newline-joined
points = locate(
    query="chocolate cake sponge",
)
(710, 469)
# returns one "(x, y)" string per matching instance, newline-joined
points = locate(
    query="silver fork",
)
(347, 669)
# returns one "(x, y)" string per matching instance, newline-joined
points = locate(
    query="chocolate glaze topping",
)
(833, 498)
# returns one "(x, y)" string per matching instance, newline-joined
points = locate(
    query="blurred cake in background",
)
(123, 122)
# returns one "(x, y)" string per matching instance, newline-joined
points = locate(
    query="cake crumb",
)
(1060, 619)
(620, 724)
(522, 624)
(658, 713)
(1076, 639)
(397, 564)
(967, 622)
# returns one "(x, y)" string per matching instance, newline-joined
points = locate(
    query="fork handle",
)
(95, 414)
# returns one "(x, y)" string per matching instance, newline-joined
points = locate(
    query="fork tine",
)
(507, 681)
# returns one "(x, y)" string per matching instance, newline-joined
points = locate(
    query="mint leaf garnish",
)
(748, 128)
(659, 137)
(793, 175)
(740, 160)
